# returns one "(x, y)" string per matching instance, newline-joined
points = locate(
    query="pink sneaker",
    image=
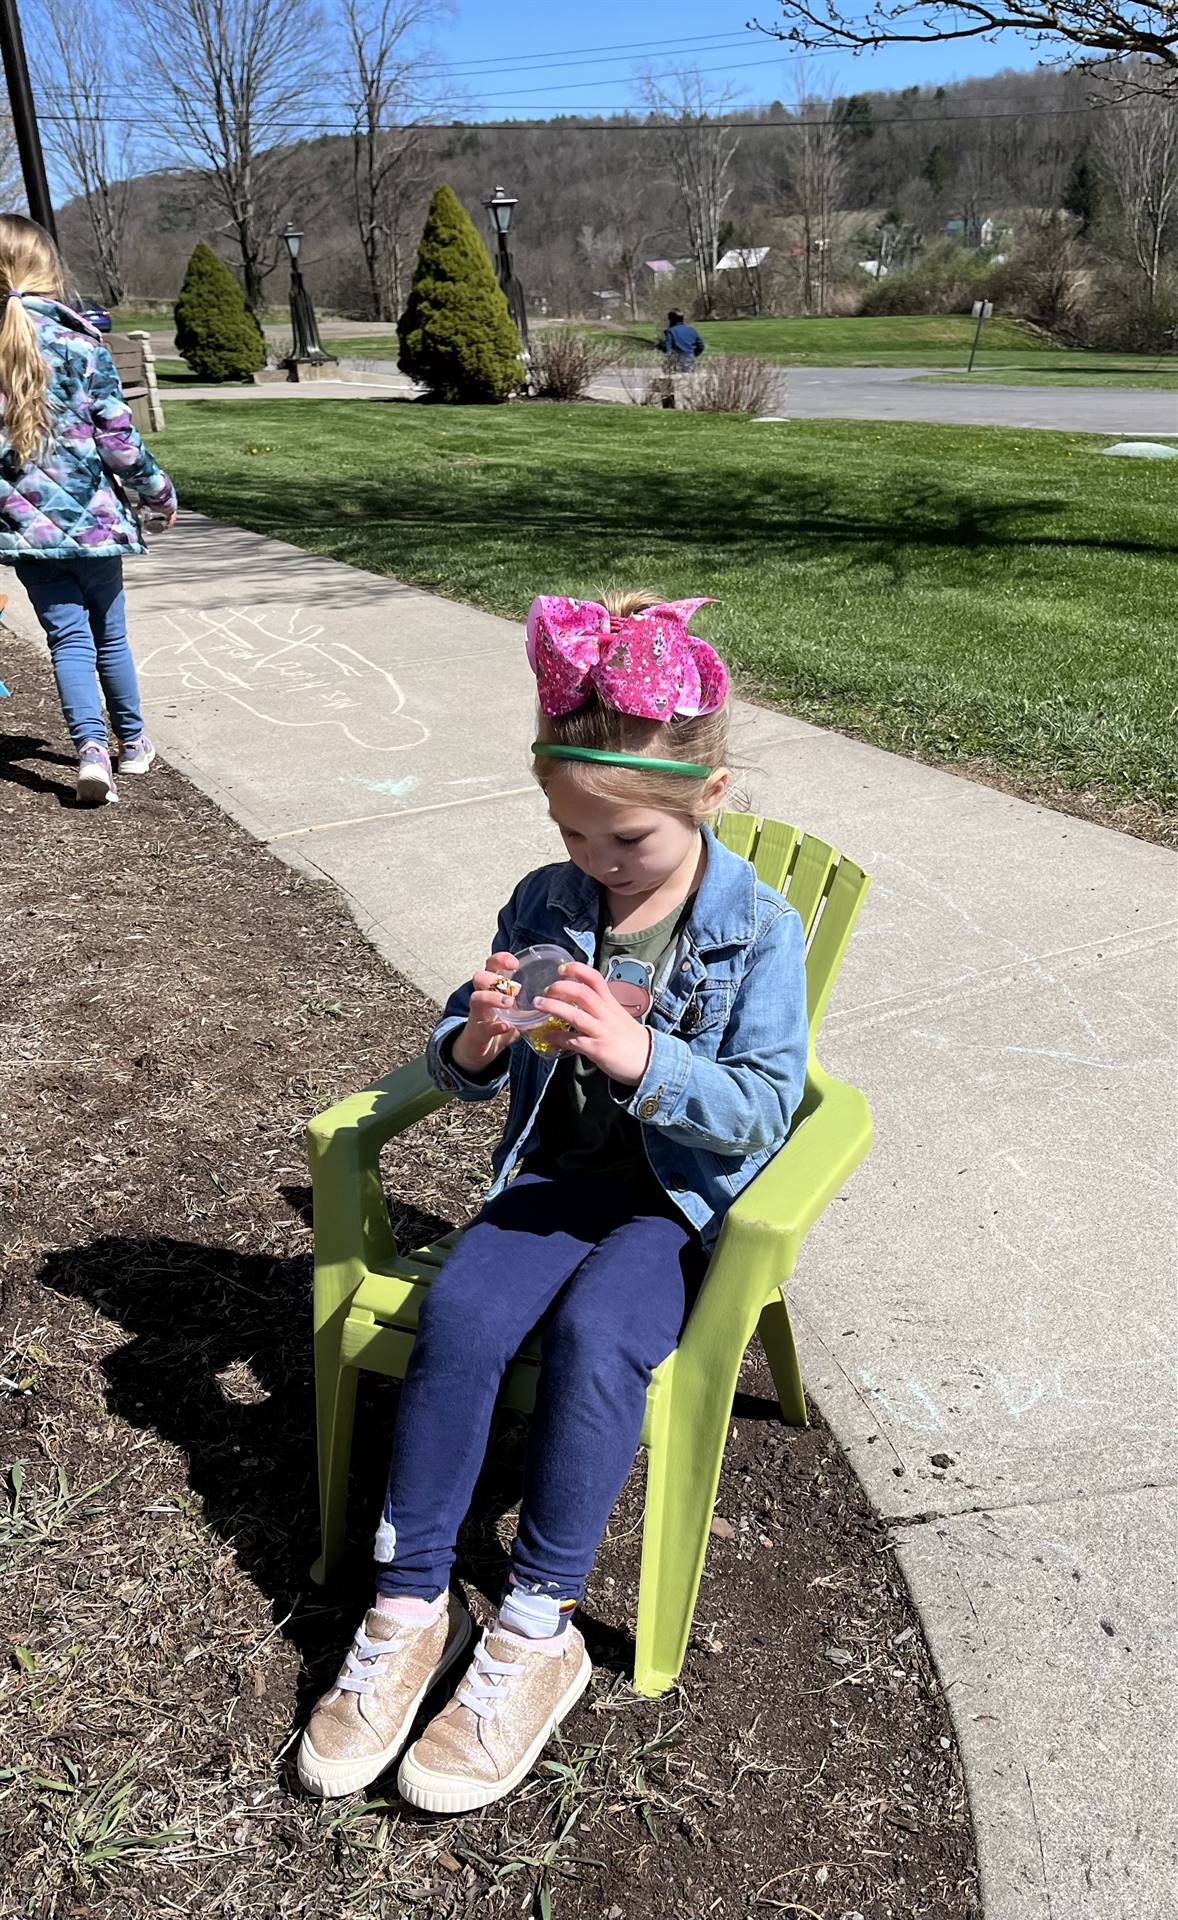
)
(96, 782)
(135, 756)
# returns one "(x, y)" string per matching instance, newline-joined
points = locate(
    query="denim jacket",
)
(729, 1033)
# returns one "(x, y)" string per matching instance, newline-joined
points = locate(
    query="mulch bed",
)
(177, 1003)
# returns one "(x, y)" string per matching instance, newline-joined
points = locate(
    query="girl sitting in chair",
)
(670, 1082)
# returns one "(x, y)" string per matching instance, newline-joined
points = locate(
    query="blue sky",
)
(516, 58)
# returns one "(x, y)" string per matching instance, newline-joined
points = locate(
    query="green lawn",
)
(363, 346)
(134, 320)
(909, 340)
(1056, 376)
(919, 340)
(995, 597)
(161, 320)
(177, 373)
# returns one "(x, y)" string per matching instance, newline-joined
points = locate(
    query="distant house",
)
(659, 267)
(741, 259)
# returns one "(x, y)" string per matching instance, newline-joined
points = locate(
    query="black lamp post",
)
(500, 207)
(24, 118)
(307, 350)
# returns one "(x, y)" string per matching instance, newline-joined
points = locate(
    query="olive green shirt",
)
(581, 1128)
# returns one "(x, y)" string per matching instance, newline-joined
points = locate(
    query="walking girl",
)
(69, 458)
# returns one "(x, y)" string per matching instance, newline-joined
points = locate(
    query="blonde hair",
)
(702, 739)
(29, 263)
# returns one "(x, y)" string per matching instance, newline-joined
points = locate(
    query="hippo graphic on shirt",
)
(630, 982)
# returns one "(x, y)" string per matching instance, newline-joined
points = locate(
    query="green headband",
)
(692, 769)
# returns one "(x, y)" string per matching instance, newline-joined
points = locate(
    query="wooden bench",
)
(135, 363)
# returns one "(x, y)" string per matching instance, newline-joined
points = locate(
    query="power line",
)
(572, 86)
(531, 62)
(625, 46)
(567, 121)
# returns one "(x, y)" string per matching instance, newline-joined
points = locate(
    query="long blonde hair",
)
(29, 263)
(702, 738)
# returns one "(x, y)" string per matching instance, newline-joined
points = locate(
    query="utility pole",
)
(24, 118)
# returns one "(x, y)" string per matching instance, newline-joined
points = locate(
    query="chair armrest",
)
(388, 1107)
(766, 1224)
(817, 1160)
(343, 1148)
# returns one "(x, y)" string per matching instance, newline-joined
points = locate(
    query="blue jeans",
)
(605, 1273)
(81, 606)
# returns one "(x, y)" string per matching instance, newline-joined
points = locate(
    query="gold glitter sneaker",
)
(361, 1724)
(490, 1736)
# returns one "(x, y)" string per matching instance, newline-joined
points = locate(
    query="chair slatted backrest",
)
(825, 891)
(130, 366)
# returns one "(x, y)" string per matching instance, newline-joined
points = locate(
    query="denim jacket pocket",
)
(707, 1010)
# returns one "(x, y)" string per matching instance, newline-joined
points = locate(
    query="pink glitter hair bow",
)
(646, 664)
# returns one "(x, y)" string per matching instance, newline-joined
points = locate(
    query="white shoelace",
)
(359, 1674)
(483, 1684)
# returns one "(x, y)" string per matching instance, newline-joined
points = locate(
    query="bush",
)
(730, 383)
(457, 335)
(721, 383)
(946, 279)
(1120, 315)
(1045, 280)
(564, 363)
(215, 331)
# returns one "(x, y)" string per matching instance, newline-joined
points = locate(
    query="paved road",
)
(986, 1316)
(821, 393)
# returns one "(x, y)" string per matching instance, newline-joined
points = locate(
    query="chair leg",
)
(335, 1407)
(777, 1339)
(688, 1432)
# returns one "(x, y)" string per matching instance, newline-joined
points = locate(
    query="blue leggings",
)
(605, 1271)
(80, 604)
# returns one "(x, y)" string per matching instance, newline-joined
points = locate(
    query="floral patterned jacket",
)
(72, 499)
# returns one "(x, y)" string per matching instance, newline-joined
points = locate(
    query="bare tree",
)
(628, 200)
(1091, 31)
(391, 99)
(85, 127)
(10, 180)
(699, 150)
(1138, 149)
(815, 179)
(237, 76)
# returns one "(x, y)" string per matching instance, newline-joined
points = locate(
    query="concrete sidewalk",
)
(986, 1315)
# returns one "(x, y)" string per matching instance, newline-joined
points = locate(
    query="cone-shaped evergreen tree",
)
(457, 336)
(215, 331)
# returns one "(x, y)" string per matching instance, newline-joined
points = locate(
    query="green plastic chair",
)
(368, 1295)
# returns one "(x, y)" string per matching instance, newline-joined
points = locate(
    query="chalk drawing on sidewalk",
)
(259, 657)
(397, 789)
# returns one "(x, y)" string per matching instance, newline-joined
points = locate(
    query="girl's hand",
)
(603, 1031)
(485, 1035)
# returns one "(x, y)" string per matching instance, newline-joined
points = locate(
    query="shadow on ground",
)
(218, 1364)
(26, 760)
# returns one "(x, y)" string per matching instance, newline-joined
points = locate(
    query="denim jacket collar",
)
(724, 914)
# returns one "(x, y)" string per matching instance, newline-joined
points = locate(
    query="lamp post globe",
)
(500, 207)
